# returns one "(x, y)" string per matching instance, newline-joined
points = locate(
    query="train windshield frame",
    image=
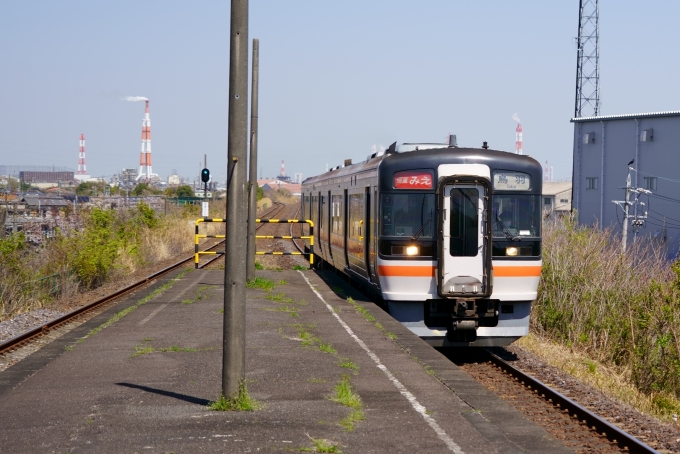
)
(408, 214)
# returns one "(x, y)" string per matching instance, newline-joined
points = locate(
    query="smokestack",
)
(283, 169)
(518, 135)
(518, 139)
(145, 172)
(81, 157)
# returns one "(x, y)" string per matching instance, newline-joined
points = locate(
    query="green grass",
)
(292, 311)
(282, 282)
(299, 268)
(316, 380)
(145, 350)
(69, 348)
(326, 348)
(345, 395)
(370, 318)
(321, 445)
(258, 266)
(307, 338)
(187, 301)
(348, 422)
(241, 401)
(261, 283)
(347, 364)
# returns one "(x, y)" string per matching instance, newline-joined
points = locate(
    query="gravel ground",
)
(23, 322)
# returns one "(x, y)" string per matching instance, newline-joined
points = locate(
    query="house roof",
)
(31, 200)
(556, 187)
(669, 113)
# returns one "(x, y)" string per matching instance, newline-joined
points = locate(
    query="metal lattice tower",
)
(588, 60)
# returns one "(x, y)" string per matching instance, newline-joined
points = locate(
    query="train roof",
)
(431, 158)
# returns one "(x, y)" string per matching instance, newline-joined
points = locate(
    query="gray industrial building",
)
(603, 147)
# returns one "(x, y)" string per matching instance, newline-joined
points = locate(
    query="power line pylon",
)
(588, 60)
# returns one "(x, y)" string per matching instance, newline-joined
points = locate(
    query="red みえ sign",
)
(413, 180)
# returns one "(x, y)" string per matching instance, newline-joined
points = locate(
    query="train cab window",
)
(408, 215)
(516, 216)
(464, 222)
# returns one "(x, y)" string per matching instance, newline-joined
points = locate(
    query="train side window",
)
(356, 215)
(336, 214)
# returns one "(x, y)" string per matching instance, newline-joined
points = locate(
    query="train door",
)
(464, 246)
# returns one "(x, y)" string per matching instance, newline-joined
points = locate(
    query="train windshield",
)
(408, 215)
(516, 216)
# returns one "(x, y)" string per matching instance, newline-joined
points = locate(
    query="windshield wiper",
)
(506, 232)
(417, 234)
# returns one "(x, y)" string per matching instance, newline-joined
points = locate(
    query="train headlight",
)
(511, 251)
(412, 250)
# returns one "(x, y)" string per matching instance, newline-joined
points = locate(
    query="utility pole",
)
(252, 194)
(234, 328)
(637, 221)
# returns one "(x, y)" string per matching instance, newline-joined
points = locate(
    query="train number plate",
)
(511, 181)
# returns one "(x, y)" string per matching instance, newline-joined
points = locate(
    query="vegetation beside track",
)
(622, 311)
(109, 245)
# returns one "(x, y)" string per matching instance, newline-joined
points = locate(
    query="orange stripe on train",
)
(406, 271)
(429, 271)
(517, 271)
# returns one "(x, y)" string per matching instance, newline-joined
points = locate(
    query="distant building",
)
(603, 147)
(556, 197)
(174, 180)
(31, 176)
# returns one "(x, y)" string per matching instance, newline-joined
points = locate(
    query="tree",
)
(185, 191)
(139, 189)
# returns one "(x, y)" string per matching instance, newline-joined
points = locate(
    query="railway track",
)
(576, 426)
(277, 244)
(44, 333)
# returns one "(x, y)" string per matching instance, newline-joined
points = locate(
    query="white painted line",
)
(160, 308)
(443, 436)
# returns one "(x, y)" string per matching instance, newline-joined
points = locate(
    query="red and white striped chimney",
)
(145, 171)
(518, 139)
(82, 170)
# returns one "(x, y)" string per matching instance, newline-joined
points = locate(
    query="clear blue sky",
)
(336, 78)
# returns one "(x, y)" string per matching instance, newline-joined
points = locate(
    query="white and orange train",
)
(448, 237)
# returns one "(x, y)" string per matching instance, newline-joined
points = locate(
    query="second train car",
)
(448, 237)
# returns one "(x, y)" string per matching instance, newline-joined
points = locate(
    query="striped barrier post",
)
(198, 236)
(309, 237)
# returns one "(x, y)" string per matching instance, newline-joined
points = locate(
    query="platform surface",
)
(142, 383)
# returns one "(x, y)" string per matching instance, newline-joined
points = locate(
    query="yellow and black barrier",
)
(198, 236)
(309, 237)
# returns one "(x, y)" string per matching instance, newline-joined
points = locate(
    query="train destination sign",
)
(411, 179)
(511, 181)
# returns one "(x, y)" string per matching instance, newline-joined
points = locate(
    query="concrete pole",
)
(234, 334)
(252, 194)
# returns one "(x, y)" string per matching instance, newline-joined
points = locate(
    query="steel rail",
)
(40, 330)
(623, 439)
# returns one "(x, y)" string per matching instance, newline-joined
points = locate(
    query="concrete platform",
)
(142, 383)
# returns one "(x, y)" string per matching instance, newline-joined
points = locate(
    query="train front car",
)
(459, 246)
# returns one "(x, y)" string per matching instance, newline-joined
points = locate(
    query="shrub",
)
(621, 309)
